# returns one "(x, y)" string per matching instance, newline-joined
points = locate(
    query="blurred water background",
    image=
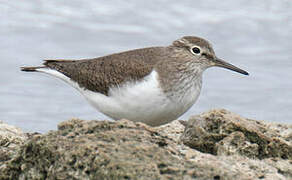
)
(254, 35)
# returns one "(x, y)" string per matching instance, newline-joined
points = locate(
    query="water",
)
(255, 35)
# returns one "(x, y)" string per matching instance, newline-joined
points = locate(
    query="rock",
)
(10, 140)
(127, 150)
(220, 132)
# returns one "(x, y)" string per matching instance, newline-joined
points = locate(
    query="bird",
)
(153, 85)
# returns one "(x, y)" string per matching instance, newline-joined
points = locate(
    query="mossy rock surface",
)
(220, 132)
(214, 145)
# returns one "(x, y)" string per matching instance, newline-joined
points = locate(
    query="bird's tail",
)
(56, 61)
(47, 64)
(31, 69)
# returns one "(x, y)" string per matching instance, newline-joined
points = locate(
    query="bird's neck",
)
(181, 83)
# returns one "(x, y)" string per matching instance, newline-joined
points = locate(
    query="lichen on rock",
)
(214, 145)
(220, 132)
(10, 140)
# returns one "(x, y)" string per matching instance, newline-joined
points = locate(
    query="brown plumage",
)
(99, 74)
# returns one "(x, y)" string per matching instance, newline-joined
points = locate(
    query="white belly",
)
(141, 101)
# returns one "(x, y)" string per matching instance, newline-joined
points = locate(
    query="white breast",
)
(141, 101)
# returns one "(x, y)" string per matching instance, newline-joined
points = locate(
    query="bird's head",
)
(200, 51)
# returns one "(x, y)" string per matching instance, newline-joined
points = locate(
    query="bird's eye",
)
(196, 50)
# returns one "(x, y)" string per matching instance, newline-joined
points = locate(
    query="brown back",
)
(99, 74)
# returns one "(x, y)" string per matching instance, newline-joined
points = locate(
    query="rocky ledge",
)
(213, 145)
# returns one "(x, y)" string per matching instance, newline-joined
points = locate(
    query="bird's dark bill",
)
(221, 63)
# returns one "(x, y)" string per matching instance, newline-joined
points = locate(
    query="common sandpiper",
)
(152, 85)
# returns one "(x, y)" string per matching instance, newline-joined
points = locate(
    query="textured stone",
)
(220, 132)
(10, 139)
(127, 150)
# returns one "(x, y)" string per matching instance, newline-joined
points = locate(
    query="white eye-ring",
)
(196, 50)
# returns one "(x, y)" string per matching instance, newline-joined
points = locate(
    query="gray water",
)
(254, 35)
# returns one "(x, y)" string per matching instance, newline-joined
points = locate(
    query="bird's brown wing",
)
(99, 74)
